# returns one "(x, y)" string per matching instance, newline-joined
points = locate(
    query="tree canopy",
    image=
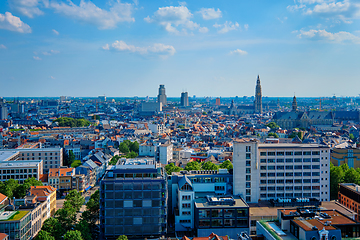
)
(272, 134)
(227, 164)
(170, 168)
(210, 166)
(342, 174)
(122, 237)
(11, 188)
(72, 122)
(192, 166)
(273, 125)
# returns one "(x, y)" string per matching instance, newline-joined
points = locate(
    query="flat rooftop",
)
(5, 155)
(205, 203)
(17, 164)
(290, 145)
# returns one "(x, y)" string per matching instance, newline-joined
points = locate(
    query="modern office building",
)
(225, 215)
(133, 200)
(276, 170)
(50, 157)
(184, 99)
(349, 196)
(162, 95)
(185, 187)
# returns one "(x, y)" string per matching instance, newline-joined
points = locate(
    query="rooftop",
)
(16, 164)
(6, 155)
(218, 202)
(12, 215)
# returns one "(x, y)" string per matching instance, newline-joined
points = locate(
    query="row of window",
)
(290, 188)
(296, 153)
(288, 195)
(8, 171)
(289, 160)
(21, 176)
(39, 154)
(281, 174)
(296, 167)
(272, 181)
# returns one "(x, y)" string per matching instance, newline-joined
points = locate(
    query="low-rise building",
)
(45, 194)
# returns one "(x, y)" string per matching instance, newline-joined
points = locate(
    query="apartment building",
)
(349, 196)
(65, 179)
(164, 154)
(45, 194)
(133, 200)
(276, 170)
(186, 186)
(350, 156)
(51, 157)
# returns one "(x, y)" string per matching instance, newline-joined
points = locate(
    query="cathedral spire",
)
(258, 97)
(294, 104)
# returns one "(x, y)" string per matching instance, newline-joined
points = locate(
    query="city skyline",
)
(125, 49)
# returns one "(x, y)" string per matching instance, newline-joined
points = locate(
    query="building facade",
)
(162, 95)
(350, 156)
(133, 200)
(349, 196)
(184, 99)
(281, 170)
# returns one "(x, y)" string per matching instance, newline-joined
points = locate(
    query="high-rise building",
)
(133, 200)
(3, 112)
(184, 99)
(282, 170)
(294, 104)
(217, 102)
(258, 96)
(162, 95)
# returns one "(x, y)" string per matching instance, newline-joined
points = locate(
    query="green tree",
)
(124, 148)
(54, 228)
(192, 166)
(122, 237)
(204, 113)
(227, 164)
(66, 217)
(114, 160)
(71, 158)
(209, 166)
(344, 167)
(92, 213)
(71, 122)
(170, 168)
(20, 190)
(43, 235)
(272, 125)
(131, 155)
(272, 134)
(73, 235)
(181, 126)
(75, 199)
(352, 176)
(336, 176)
(9, 187)
(84, 228)
(134, 147)
(351, 136)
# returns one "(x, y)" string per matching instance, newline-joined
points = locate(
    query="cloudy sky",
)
(208, 48)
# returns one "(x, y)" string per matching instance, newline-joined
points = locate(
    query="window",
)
(279, 174)
(271, 167)
(298, 153)
(248, 170)
(280, 160)
(248, 163)
(248, 191)
(271, 153)
(289, 167)
(289, 160)
(248, 156)
(262, 153)
(289, 153)
(280, 167)
(298, 167)
(280, 181)
(248, 184)
(248, 148)
(248, 177)
(280, 153)
(289, 174)
(262, 160)
(271, 160)
(271, 174)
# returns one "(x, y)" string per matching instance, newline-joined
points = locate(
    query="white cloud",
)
(203, 29)
(172, 18)
(12, 23)
(2, 46)
(51, 52)
(156, 48)
(338, 37)
(210, 13)
(246, 26)
(345, 10)
(36, 58)
(88, 12)
(29, 8)
(238, 52)
(52, 77)
(55, 32)
(227, 26)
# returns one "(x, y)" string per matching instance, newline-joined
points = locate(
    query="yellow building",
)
(45, 194)
(351, 156)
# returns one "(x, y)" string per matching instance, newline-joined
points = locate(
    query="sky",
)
(84, 48)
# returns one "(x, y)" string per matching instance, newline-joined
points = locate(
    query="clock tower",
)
(258, 97)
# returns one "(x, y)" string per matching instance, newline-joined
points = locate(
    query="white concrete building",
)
(165, 153)
(270, 171)
(148, 150)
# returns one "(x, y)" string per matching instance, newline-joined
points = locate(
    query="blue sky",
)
(208, 48)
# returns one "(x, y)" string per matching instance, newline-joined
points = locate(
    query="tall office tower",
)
(3, 112)
(282, 170)
(133, 200)
(184, 99)
(294, 104)
(217, 102)
(162, 95)
(258, 97)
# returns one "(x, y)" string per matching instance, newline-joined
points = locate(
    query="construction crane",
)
(319, 99)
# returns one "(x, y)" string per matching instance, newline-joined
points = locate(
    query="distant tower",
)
(162, 95)
(258, 97)
(294, 105)
(217, 103)
(184, 99)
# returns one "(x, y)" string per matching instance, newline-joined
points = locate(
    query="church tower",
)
(258, 97)
(294, 105)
